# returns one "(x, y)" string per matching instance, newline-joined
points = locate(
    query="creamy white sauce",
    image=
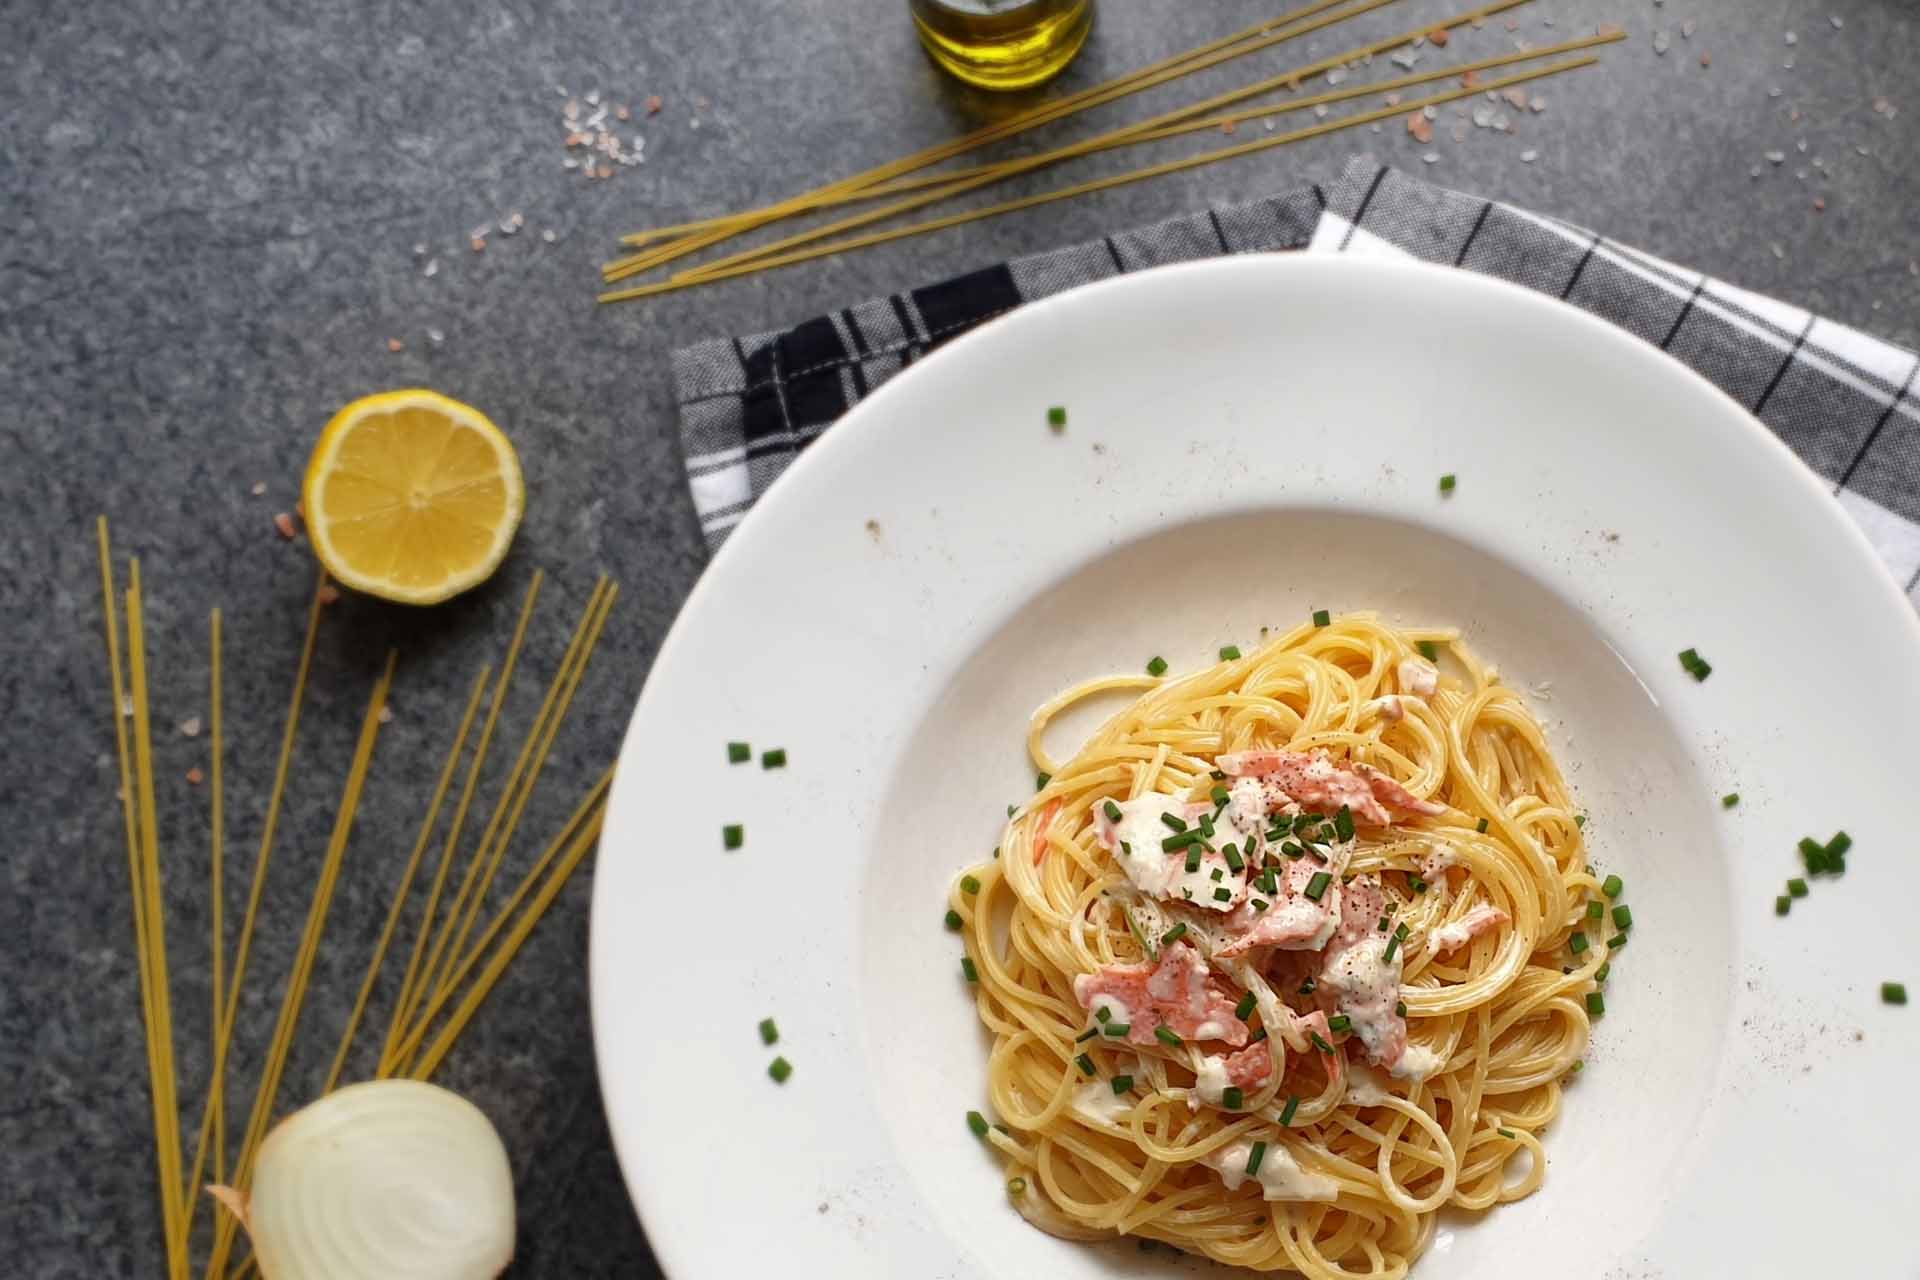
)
(1433, 867)
(1280, 1176)
(1211, 1084)
(1419, 677)
(1160, 874)
(1097, 1101)
(1387, 708)
(1367, 986)
(1448, 937)
(1117, 1010)
(1365, 1088)
(1416, 1064)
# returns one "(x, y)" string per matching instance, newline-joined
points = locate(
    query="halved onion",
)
(385, 1180)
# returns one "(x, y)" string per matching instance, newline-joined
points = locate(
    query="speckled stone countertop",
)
(209, 215)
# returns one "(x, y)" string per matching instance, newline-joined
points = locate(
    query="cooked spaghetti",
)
(1297, 950)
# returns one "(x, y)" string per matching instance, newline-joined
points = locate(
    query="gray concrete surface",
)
(208, 220)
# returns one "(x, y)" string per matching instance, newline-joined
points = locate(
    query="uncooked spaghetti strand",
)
(237, 972)
(436, 1053)
(135, 879)
(538, 766)
(156, 920)
(400, 895)
(715, 272)
(442, 954)
(409, 992)
(701, 234)
(217, 891)
(581, 813)
(296, 991)
(1163, 125)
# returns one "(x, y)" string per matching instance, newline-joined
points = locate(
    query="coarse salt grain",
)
(419, 249)
(386, 715)
(1661, 42)
(1432, 157)
(432, 268)
(395, 345)
(436, 336)
(1778, 250)
(1529, 156)
(654, 103)
(190, 727)
(1420, 127)
(259, 488)
(1706, 59)
(1837, 21)
(548, 235)
(1686, 29)
(1819, 204)
(194, 776)
(622, 113)
(1792, 39)
(284, 523)
(1320, 112)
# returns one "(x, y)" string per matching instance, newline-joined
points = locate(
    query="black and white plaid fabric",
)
(1847, 403)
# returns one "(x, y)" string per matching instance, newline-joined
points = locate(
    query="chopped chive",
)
(779, 1069)
(1838, 846)
(1116, 1030)
(1193, 858)
(1381, 927)
(1233, 1098)
(1729, 800)
(1318, 885)
(1219, 794)
(1057, 416)
(1011, 808)
(1505, 1133)
(1446, 483)
(1168, 1036)
(1245, 1008)
(953, 919)
(1254, 1158)
(1086, 1035)
(1428, 650)
(1393, 945)
(1579, 1064)
(733, 835)
(1157, 667)
(1612, 886)
(1577, 944)
(1813, 854)
(1797, 887)
(1103, 1014)
(1257, 1036)
(1580, 820)
(738, 753)
(1400, 1007)
(1306, 988)
(1618, 941)
(1286, 1112)
(1339, 1022)
(966, 967)
(1416, 884)
(969, 885)
(1112, 811)
(1322, 618)
(1085, 1063)
(1040, 781)
(977, 1123)
(1343, 823)
(1269, 881)
(1174, 821)
(1695, 665)
(1596, 1004)
(1121, 1084)
(1219, 874)
(1623, 917)
(1893, 993)
(1303, 821)
(1206, 825)
(1595, 910)
(1229, 652)
(1174, 844)
(1016, 1186)
(1261, 904)
(1223, 894)
(1318, 1043)
(774, 759)
(1233, 858)
(1600, 974)
(1174, 934)
(1782, 905)
(1481, 826)
(769, 1033)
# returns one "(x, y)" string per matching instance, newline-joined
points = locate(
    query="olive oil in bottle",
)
(1003, 44)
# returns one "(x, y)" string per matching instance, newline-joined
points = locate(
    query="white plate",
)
(1252, 439)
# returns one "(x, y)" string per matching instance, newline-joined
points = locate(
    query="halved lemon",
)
(412, 497)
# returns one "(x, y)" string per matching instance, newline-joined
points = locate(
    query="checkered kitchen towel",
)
(1847, 403)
